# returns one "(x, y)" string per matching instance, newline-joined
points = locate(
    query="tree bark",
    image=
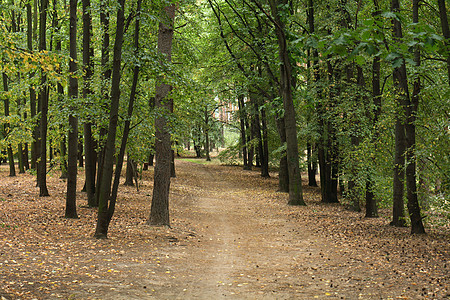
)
(31, 89)
(295, 181)
(371, 203)
(71, 208)
(43, 98)
(60, 92)
(265, 150)
(312, 165)
(89, 151)
(411, 112)
(12, 169)
(106, 76)
(206, 130)
(283, 173)
(159, 213)
(327, 148)
(20, 153)
(250, 148)
(241, 106)
(445, 31)
(402, 95)
(129, 173)
(131, 165)
(104, 218)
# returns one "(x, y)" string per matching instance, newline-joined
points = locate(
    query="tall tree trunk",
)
(265, 163)
(283, 173)
(207, 144)
(12, 169)
(312, 165)
(295, 181)
(129, 172)
(106, 76)
(71, 197)
(130, 163)
(60, 92)
(63, 163)
(159, 213)
(445, 31)
(32, 34)
(172, 158)
(241, 106)
(43, 98)
(80, 154)
(20, 155)
(324, 145)
(105, 190)
(250, 148)
(411, 112)
(354, 188)
(327, 148)
(402, 96)
(89, 151)
(31, 89)
(371, 203)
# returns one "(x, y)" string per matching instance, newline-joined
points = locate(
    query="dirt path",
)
(232, 237)
(245, 252)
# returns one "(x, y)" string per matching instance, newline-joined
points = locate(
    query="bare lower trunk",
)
(295, 181)
(159, 212)
(104, 216)
(411, 111)
(402, 94)
(243, 134)
(71, 208)
(312, 166)
(283, 174)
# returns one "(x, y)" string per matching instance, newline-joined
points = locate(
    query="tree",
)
(402, 97)
(106, 76)
(12, 169)
(104, 216)
(371, 203)
(126, 130)
(411, 112)
(43, 99)
(159, 213)
(295, 181)
(71, 208)
(243, 140)
(445, 32)
(31, 89)
(88, 53)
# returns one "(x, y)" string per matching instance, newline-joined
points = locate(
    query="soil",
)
(232, 236)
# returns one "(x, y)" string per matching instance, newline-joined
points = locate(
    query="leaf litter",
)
(231, 235)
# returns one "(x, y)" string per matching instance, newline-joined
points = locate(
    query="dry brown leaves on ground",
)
(232, 236)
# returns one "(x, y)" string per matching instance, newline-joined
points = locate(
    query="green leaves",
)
(395, 58)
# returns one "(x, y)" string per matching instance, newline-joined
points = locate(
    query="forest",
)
(339, 105)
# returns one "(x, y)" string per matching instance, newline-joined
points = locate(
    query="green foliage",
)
(230, 156)
(224, 49)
